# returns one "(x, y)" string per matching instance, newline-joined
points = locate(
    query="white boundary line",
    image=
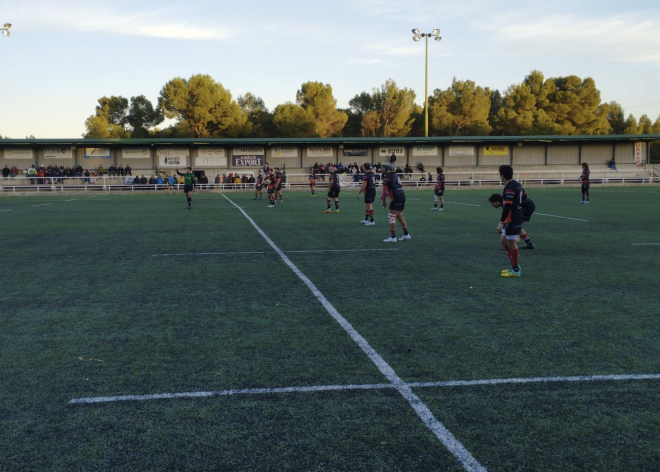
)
(264, 252)
(633, 244)
(43, 204)
(466, 204)
(326, 388)
(562, 217)
(2, 211)
(423, 411)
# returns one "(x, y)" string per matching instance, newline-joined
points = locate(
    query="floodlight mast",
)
(5, 29)
(417, 35)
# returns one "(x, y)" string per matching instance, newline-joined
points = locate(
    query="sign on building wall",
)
(496, 150)
(211, 157)
(280, 151)
(58, 153)
(319, 151)
(172, 157)
(19, 153)
(386, 152)
(100, 153)
(638, 154)
(424, 150)
(461, 150)
(253, 156)
(135, 153)
(211, 152)
(355, 152)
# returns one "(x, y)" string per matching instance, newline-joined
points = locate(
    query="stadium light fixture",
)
(417, 35)
(5, 29)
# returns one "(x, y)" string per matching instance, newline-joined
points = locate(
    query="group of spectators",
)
(56, 175)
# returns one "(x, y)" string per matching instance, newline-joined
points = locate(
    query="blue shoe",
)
(511, 273)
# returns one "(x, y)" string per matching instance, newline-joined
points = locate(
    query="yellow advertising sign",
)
(496, 150)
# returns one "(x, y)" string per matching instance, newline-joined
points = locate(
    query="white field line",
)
(633, 244)
(2, 211)
(562, 217)
(264, 252)
(43, 204)
(423, 411)
(466, 204)
(72, 200)
(326, 388)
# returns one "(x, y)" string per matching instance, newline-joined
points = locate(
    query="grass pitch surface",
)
(129, 296)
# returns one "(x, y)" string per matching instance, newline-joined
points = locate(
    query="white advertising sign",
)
(211, 152)
(284, 152)
(425, 150)
(103, 153)
(389, 150)
(320, 151)
(210, 162)
(19, 153)
(638, 154)
(135, 153)
(172, 157)
(58, 153)
(461, 150)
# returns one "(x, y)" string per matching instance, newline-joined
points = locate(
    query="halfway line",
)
(633, 244)
(326, 388)
(421, 409)
(563, 217)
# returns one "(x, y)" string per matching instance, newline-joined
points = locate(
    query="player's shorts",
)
(271, 190)
(312, 182)
(398, 204)
(334, 192)
(279, 187)
(511, 230)
(259, 187)
(439, 192)
(585, 186)
(370, 197)
(187, 188)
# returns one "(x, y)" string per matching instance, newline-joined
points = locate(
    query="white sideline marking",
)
(43, 204)
(563, 217)
(2, 211)
(326, 388)
(633, 244)
(423, 411)
(72, 200)
(264, 252)
(466, 204)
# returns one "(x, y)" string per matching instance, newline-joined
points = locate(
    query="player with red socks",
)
(512, 219)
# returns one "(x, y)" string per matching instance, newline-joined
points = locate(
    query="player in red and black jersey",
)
(439, 191)
(528, 208)
(269, 181)
(312, 182)
(584, 178)
(511, 220)
(392, 187)
(369, 190)
(258, 186)
(333, 190)
(278, 184)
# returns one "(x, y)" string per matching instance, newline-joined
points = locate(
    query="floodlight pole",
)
(5, 29)
(416, 37)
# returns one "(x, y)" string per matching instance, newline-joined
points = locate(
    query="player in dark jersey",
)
(269, 182)
(188, 184)
(584, 178)
(439, 191)
(511, 220)
(369, 190)
(333, 190)
(528, 208)
(278, 184)
(312, 182)
(258, 186)
(392, 188)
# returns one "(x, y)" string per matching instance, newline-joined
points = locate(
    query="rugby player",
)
(258, 186)
(188, 184)
(528, 208)
(392, 188)
(511, 220)
(584, 178)
(333, 189)
(369, 190)
(439, 191)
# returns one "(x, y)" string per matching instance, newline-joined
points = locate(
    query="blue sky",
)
(63, 55)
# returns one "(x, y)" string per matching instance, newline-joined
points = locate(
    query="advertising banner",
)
(384, 153)
(172, 157)
(424, 150)
(19, 153)
(253, 156)
(98, 153)
(211, 152)
(638, 154)
(280, 151)
(461, 150)
(496, 150)
(135, 153)
(355, 152)
(320, 151)
(210, 162)
(58, 153)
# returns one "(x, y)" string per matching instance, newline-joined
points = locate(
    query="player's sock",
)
(442, 205)
(405, 231)
(336, 206)
(527, 240)
(393, 234)
(435, 205)
(371, 215)
(329, 205)
(366, 216)
(514, 258)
